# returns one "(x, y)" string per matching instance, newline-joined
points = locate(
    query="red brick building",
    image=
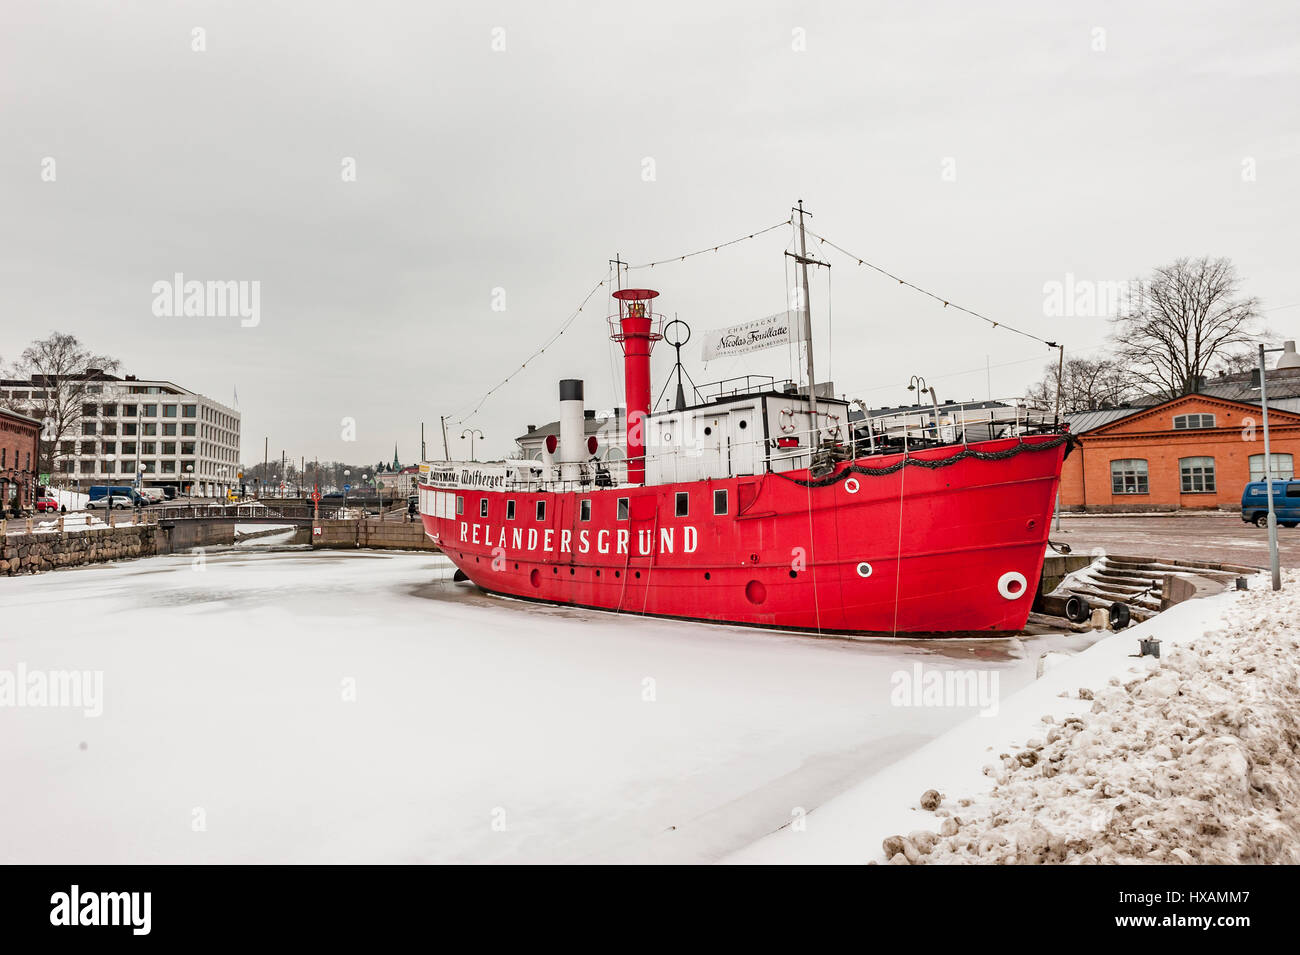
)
(1196, 451)
(19, 439)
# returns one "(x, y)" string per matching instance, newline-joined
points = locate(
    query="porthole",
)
(864, 569)
(707, 575)
(1012, 584)
(794, 574)
(638, 575)
(743, 424)
(618, 573)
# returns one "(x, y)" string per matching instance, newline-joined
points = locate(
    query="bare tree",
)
(59, 368)
(1087, 383)
(1189, 318)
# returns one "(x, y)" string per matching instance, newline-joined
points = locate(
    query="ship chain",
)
(1065, 438)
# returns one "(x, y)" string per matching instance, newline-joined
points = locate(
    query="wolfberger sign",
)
(484, 476)
(779, 329)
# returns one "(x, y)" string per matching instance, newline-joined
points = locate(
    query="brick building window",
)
(1197, 475)
(1129, 476)
(1283, 468)
(1191, 422)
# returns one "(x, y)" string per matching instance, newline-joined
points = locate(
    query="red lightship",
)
(763, 504)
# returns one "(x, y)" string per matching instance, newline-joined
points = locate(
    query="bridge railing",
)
(248, 512)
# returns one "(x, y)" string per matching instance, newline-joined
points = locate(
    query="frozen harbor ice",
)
(300, 706)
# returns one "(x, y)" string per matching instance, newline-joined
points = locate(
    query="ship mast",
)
(804, 262)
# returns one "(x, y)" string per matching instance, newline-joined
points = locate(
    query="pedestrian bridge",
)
(287, 513)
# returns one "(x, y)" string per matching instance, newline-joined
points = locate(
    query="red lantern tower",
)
(637, 331)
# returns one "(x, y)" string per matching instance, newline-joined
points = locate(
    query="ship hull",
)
(952, 542)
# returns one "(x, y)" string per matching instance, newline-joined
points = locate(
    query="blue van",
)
(121, 490)
(1286, 503)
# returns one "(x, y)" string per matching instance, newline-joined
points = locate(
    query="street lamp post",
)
(471, 432)
(346, 474)
(918, 382)
(1274, 565)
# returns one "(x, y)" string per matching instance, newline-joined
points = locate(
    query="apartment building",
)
(142, 432)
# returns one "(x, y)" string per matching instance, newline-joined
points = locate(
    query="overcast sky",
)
(981, 150)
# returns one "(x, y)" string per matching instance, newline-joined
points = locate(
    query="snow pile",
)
(72, 500)
(1195, 761)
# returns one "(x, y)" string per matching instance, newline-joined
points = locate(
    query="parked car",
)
(154, 495)
(44, 504)
(103, 490)
(119, 502)
(1286, 503)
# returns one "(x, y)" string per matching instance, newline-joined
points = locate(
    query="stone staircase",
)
(1146, 584)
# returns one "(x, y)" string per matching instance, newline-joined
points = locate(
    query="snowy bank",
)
(1107, 758)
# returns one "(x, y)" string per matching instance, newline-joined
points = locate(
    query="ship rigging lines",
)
(938, 298)
(564, 326)
(572, 317)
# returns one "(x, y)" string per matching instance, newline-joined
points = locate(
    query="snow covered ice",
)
(335, 706)
(1189, 758)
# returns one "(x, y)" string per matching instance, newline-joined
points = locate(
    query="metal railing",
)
(835, 439)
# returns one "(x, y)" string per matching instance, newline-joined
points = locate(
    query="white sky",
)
(522, 169)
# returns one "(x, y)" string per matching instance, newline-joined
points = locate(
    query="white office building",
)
(153, 433)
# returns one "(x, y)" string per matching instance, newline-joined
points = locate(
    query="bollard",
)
(1100, 619)
(1149, 647)
(1241, 584)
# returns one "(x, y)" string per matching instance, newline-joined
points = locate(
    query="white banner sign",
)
(460, 475)
(775, 330)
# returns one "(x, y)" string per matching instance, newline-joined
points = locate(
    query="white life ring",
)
(786, 412)
(852, 485)
(834, 429)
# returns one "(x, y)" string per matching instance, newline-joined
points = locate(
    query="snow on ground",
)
(359, 706)
(72, 500)
(1108, 758)
(79, 521)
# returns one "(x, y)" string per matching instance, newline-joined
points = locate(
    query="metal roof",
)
(1081, 421)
